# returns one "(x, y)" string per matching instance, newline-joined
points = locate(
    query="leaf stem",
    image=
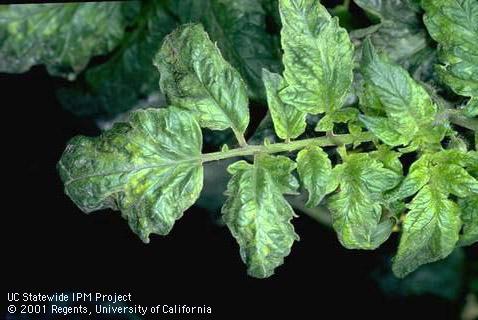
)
(324, 141)
(240, 139)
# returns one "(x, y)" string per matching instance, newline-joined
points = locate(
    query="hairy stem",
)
(247, 150)
(463, 121)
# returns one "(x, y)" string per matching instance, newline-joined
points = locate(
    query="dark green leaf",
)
(400, 32)
(62, 36)
(129, 75)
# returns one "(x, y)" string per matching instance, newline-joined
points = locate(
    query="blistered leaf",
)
(150, 169)
(239, 28)
(409, 109)
(454, 25)
(430, 231)
(129, 75)
(196, 77)
(318, 57)
(289, 122)
(257, 213)
(400, 32)
(356, 209)
(315, 171)
(469, 216)
(62, 36)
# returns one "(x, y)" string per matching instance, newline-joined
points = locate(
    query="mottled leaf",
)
(356, 209)
(289, 122)
(318, 57)
(150, 169)
(196, 77)
(315, 171)
(410, 112)
(257, 213)
(432, 225)
(454, 25)
(61, 36)
(430, 231)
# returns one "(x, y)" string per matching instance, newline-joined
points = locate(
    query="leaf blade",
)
(318, 57)
(315, 172)
(430, 231)
(81, 31)
(196, 77)
(289, 123)
(150, 169)
(258, 215)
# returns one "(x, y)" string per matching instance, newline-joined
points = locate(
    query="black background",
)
(50, 246)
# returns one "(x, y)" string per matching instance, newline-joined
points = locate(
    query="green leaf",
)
(196, 77)
(315, 172)
(400, 32)
(62, 36)
(456, 180)
(129, 75)
(257, 213)
(431, 227)
(289, 123)
(389, 158)
(384, 129)
(430, 231)
(471, 108)
(418, 176)
(150, 169)
(356, 209)
(343, 115)
(469, 216)
(318, 57)
(409, 109)
(239, 28)
(454, 25)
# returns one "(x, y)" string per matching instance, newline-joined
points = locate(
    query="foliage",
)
(393, 148)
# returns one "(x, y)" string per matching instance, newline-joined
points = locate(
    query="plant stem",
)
(463, 121)
(336, 140)
(346, 4)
